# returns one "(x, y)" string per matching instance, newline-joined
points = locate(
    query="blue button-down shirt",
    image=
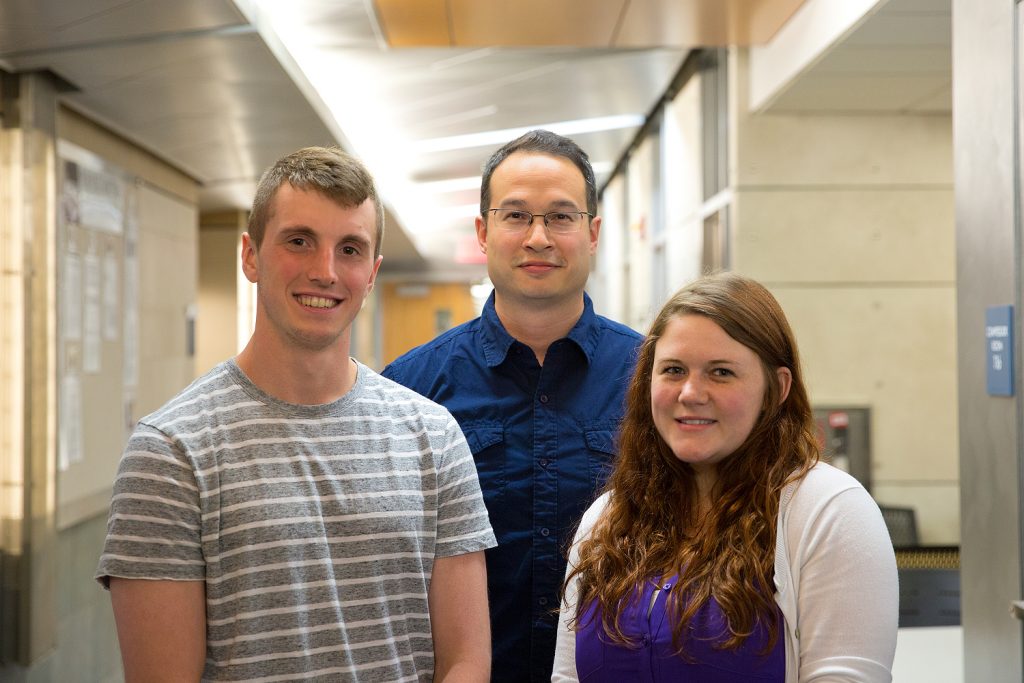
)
(543, 440)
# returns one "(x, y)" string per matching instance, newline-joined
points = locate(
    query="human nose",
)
(692, 390)
(322, 268)
(537, 233)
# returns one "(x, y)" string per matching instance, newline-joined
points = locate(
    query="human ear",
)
(481, 234)
(785, 378)
(249, 258)
(373, 274)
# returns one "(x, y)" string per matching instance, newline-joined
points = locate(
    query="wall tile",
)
(850, 149)
(846, 236)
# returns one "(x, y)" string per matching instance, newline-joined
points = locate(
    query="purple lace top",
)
(600, 661)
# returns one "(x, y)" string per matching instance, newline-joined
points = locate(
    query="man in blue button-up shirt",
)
(536, 383)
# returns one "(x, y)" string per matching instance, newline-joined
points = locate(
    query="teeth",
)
(697, 422)
(317, 302)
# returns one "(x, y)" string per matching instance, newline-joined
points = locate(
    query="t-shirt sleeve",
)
(154, 527)
(462, 522)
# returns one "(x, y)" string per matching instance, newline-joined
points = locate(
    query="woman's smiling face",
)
(707, 391)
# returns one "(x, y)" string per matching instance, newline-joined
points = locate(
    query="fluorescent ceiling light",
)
(497, 137)
(452, 184)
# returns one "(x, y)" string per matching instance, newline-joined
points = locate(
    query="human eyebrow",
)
(355, 239)
(563, 204)
(513, 203)
(293, 231)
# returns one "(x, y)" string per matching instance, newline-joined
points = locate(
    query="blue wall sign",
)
(999, 348)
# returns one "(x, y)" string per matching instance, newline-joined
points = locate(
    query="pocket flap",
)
(483, 435)
(602, 440)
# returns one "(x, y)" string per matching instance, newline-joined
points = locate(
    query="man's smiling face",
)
(313, 269)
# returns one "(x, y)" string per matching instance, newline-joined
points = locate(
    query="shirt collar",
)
(497, 341)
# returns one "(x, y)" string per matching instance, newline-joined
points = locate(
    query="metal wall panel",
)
(988, 266)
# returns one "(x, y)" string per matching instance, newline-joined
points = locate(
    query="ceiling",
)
(898, 59)
(424, 90)
(606, 23)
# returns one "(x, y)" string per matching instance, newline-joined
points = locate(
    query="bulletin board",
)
(97, 323)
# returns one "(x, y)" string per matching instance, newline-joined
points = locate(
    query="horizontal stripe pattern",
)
(315, 528)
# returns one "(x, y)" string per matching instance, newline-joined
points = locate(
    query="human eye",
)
(563, 220)
(671, 370)
(722, 373)
(514, 216)
(298, 241)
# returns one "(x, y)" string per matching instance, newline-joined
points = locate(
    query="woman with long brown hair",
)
(722, 550)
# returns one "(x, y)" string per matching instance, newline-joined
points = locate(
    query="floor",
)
(933, 654)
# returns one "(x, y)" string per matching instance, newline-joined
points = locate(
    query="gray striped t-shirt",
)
(315, 528)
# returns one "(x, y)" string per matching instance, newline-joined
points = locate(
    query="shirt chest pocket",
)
(486, 439)
(600, 444)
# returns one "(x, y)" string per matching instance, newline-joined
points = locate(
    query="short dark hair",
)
(328, 170)
(540, 142)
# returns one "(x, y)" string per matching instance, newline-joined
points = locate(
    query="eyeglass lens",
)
(556, 221)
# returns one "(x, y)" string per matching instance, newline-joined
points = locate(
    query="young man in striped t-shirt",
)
(293, 515)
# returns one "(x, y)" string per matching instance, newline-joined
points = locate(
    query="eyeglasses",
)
(558, 222)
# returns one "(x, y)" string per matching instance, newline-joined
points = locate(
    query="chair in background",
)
(902, 525)
(929, 576)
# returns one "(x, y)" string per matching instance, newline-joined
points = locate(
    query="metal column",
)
(986, 115)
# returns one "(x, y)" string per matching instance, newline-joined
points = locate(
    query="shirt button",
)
(543, 601)
(544, 463)
(543, 398)
(545, 532)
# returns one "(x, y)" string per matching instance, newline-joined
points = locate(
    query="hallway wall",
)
(849, 221)
(165, 207)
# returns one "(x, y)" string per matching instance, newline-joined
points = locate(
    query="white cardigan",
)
(835, 581)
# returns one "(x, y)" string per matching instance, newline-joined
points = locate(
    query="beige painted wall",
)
(640, 183)
(849, 220)
(82, 131)
(217, 298)
(168, 272)
(168, 218)
(162, 202)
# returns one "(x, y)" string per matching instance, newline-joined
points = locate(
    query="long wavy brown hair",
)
(651, 527)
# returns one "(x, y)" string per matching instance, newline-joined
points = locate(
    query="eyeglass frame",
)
(544, 216)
